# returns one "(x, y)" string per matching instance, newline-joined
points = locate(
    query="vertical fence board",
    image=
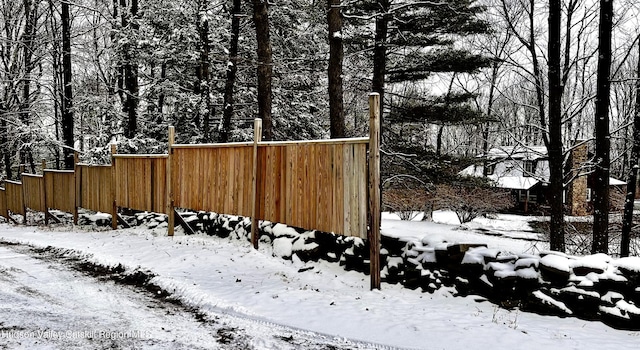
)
(211, 178)
(140, 182)
(3, 203)
(33, 190)
(96, 183)
(60, 190)
(15, 197)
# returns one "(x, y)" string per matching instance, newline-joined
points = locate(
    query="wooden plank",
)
(363, 140)
(33, 192)
(362, 206)
(110, 179)
(15, 197)
(169, 184)
(347, 175)
(213, 145)
(3, 203)
(183, 223)
(257, 137)
(374, 189)
(137, 156)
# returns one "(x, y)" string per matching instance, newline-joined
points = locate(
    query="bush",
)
(469, 202)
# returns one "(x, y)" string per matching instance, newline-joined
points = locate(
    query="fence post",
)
(44, 193)
(374, 189)
(255, 202)
(114, 208)
(169, 189)
(77, 178)
(24, 204)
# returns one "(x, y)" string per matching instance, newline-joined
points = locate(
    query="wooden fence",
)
(329, 185)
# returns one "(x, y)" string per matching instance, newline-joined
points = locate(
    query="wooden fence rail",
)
(327, 185)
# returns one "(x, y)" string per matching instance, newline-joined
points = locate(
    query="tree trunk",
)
(627, 221)
(554, 147)
(265, 66)
(4, 131)
(232, 69)
(130, 70)
(31, 16)
(67, 100)
(602, 157)
(163, 76)
(336, 109)
(205, 71)
(380, 57)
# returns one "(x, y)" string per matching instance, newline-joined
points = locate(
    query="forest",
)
(456, 77)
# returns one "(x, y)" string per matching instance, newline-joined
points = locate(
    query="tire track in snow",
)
(150, 282)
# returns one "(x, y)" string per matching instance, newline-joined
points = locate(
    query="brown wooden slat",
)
(33, 189)
(3, 203)
(15, 201)
(60, 190)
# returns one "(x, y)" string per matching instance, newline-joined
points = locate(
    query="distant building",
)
(525, 171)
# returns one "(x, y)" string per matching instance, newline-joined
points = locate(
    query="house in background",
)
(525, 171)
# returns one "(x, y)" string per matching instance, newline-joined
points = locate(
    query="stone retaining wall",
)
(594, 287)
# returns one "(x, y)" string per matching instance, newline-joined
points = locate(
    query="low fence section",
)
(15, 197)
(60, 190)
(318, 184)
(140, 182)
(213, 177)
(34, 192)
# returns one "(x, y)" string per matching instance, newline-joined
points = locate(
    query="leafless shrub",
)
(579, 236)
(469, 202)
(406, 203)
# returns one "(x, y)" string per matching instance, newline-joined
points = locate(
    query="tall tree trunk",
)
(163, 76)
(485, 128)
(380, 57)
(232, 69)
(439, 140)
(602, 153)
(554, 146)
(336, 108)
(627, 221)
(4, 132)
(204, 71)
(58, 88)
(130, 69)
(265, 66)
(31, 16)
(67, 101)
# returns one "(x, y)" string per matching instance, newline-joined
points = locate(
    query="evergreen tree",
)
(412, 42)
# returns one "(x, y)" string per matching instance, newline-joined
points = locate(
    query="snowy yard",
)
(316, 300)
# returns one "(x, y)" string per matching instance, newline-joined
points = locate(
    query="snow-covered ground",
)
(222, 276)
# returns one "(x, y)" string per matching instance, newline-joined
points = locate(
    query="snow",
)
(596, 262)
(215, 275)
(631, 263)
(550, 301)
(556, 262)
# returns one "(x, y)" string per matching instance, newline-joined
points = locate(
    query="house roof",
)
(508, 167)
(517, 152)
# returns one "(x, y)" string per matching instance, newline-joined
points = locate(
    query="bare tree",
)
(632, 179)
(203, 84)
(130, 66)
(602, 159)
(232, 69)
(336, 110)
(67, 101)
(554, 144)
(265, 65)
